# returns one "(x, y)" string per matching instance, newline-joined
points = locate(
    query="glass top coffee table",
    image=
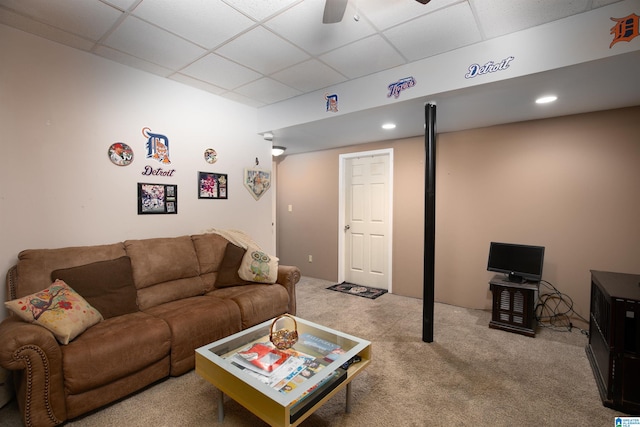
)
(283, 387)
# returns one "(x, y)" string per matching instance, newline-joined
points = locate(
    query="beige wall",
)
(309, 182)
(570, 184)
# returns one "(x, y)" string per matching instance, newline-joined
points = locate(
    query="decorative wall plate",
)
(210, 155)
(120, 154)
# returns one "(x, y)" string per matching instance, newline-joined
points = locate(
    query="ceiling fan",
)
(334, 10)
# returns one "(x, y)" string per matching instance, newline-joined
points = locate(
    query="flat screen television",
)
(519, 262)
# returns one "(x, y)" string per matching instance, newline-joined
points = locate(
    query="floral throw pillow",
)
(58, 308)
(258, 266)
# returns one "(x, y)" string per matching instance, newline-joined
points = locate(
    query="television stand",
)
(614, 339)
(513, 306)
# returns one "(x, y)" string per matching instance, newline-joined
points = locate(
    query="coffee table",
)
(305, 393)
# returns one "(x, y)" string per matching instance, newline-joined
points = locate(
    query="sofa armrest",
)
(288, 276)
(33, 352)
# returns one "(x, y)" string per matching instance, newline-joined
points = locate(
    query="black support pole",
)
(429, 221)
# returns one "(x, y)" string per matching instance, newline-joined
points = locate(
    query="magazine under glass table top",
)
(283, 387)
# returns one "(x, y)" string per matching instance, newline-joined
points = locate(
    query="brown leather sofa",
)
(184, 293)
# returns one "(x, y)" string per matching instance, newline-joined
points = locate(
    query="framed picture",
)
(257, 181)
(212, 185)
(157, 199)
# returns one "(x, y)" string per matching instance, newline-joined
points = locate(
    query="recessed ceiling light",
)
(546, 99)
(389, 126)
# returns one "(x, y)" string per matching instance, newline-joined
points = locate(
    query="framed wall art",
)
(257, 181)
(212, 185)
(157, 199)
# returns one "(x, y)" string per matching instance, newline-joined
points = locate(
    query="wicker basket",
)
(284, 338)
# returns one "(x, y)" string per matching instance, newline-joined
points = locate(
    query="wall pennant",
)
(257, 181)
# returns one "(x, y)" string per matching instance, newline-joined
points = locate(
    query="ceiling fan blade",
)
(334, 11)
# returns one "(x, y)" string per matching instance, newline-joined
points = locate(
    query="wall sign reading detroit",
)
(489, 67)
(148, 170)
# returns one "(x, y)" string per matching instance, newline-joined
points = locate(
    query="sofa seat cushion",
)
(113, 349)
(257, 302)
(195, 322)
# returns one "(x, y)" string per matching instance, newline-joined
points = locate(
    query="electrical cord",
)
(554, 310)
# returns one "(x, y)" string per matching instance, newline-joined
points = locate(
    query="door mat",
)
(359, 290)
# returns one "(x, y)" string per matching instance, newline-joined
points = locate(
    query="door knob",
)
(346, 227)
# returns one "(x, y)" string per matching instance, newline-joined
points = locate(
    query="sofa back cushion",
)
(35, 266)
(106, 285)
(228, 273)
(164, 269)
(210, 248)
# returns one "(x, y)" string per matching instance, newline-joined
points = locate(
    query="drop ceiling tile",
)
(122, 4)
(302, 24)
(262, 9)
(221, 72)
(86, 18)
(262, 51)
(309, 76)
(243, 99)
(267, 90)
(384, 14)
(434, 33)
(152, 44)
(500, 17)
(131, 61)
(190, 81)
(600, 3)
(364, 57)
(206, 23)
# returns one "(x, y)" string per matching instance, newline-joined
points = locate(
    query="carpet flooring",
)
(470, 375)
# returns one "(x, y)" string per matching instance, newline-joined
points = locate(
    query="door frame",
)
(342, 159)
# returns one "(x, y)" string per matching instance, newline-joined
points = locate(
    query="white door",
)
(367, 219)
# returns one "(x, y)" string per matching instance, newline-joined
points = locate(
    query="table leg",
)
(220, 407)
(348, 405)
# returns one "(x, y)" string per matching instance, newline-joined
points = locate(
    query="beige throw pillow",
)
(258, 266)
(58, 308)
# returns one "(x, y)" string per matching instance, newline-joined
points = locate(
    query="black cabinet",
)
(614, 339)
(513, 306)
